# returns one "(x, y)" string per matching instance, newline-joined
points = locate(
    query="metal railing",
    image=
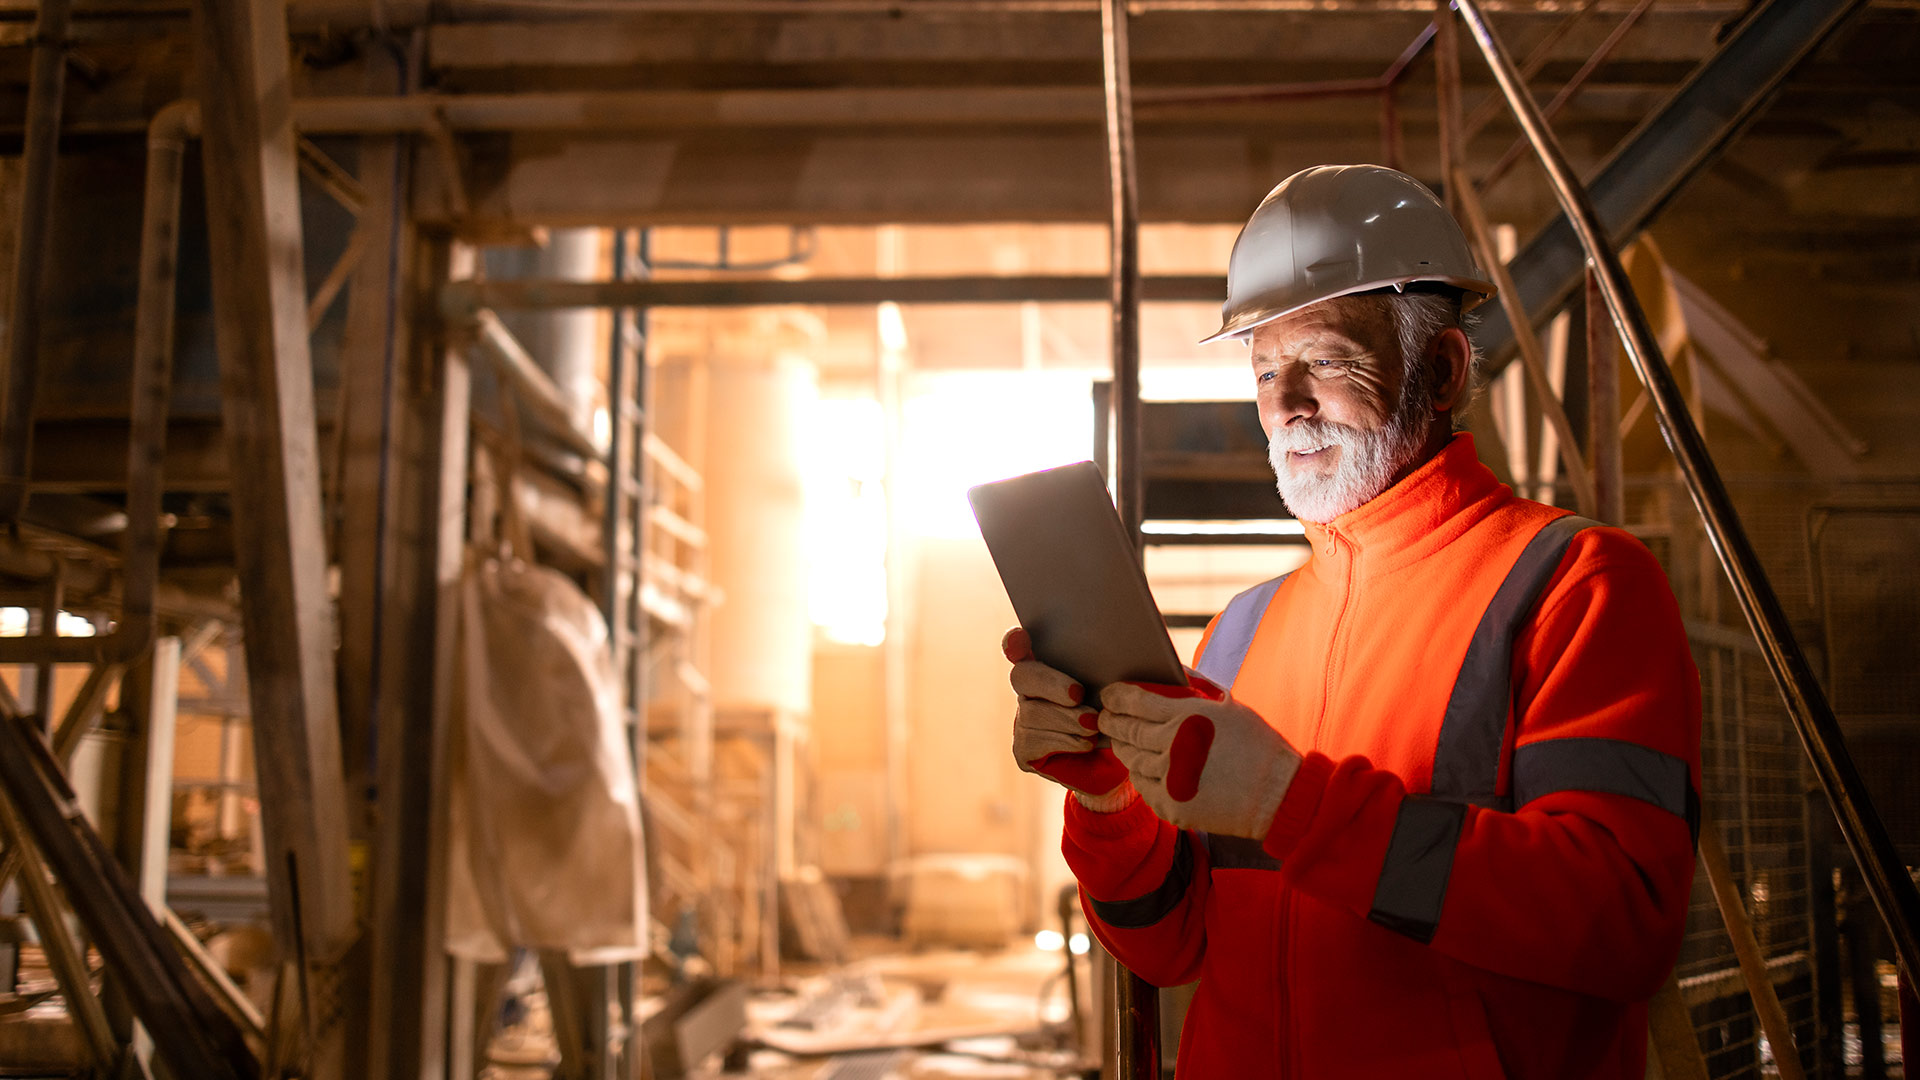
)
(1886, 878)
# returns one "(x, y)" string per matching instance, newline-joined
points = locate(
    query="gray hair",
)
(1418, 318)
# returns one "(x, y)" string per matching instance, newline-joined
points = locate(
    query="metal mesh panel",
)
(1840, 556)
(1754, 796)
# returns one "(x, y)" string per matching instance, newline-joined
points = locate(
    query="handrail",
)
(1886, 878)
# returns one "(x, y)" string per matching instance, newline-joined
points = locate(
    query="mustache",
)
(1311, 434)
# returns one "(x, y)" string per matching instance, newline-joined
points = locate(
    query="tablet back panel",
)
(1074, 578)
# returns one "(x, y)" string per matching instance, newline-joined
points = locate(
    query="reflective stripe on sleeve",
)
(1413, 880)
(1610, 766)
(1143, 911)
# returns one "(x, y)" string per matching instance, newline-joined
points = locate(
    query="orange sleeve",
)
(1143, 884)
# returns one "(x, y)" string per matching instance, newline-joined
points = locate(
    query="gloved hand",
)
(1053, 732)
(1201, 759)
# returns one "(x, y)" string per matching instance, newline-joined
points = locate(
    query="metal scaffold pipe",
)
(1887, 881)
(1136, 1001)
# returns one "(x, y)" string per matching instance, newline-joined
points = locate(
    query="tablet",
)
(1074, 578)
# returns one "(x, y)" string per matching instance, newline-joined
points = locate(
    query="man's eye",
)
(1263, 376)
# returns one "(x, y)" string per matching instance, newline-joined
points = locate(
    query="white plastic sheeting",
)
(544, 840)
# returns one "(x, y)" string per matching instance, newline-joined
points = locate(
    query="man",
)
(1426, 808)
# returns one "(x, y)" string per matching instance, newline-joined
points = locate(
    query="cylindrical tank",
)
(762, 637)
(566, 343)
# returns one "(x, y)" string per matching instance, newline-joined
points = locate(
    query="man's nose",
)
(1293, 397)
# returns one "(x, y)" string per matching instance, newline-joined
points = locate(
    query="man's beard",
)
(1366, 465)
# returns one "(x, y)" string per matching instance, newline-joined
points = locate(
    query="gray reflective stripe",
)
(1233, 634)
(1142, 911)
(1466, 762)
(1413, 880)
(1612, 766)
(1238, 853)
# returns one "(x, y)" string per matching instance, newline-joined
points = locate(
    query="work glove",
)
(1200, 759)
(1053, 732)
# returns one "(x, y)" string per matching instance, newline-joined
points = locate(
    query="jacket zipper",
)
(1339, 628)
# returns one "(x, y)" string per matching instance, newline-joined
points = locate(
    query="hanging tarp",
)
(544, 838)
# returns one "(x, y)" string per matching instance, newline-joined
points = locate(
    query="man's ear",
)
(1452, 358)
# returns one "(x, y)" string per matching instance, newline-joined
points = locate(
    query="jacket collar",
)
(1427, 509)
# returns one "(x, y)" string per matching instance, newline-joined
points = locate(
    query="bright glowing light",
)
(962, 429)
(1048, 941)
(842, 469)
(893, 327)
(1227, 382)
(1079, 944)
(1249, 527)
(13, 623)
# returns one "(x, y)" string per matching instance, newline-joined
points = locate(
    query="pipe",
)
(147, 428)
(44, 93)
(1327, 88)
(530, 385)
(1566, 93)
(1886, 877)
(1136, 1001)
(1537, 59)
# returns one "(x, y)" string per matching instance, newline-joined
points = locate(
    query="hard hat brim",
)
(1244, 322)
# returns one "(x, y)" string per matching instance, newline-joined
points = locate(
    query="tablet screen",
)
(1074, 578)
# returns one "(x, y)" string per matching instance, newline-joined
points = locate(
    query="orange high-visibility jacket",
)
(1483, 865)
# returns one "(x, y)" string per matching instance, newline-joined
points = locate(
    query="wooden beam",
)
(404, 482)
(1474, 216)
(63, 956)
(461, 297)
(253, 226)
(1196, 172)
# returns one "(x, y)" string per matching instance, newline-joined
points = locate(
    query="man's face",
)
(1340, 422)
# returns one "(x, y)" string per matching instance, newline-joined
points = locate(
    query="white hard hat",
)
(1334, 230)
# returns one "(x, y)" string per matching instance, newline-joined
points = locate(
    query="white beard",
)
(1365, 467)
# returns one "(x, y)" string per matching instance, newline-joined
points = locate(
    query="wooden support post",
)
(83, 712)
(20, 380)
(1753, 962)
(402, 528)
(253, 227)
(1446, 74)
(424, 548)
(52, 599)
(1474, 216)
(1603, 409)
(68, 964)
(140, 836)
(1670, 1037)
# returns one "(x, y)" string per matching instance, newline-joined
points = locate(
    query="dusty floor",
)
(888, 1014)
